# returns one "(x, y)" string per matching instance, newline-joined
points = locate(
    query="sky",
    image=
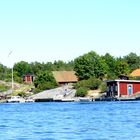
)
(48, 30)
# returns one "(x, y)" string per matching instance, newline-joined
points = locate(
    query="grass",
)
(4, 88)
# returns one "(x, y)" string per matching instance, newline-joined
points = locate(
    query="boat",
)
(16, 99)
(68, 100)
(85, 99)
(29, 99)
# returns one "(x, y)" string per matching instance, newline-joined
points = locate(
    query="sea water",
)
(70, 121)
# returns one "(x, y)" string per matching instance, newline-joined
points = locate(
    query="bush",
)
(46, 86)
(22, 94)
(91, 83)
(81, 92)
(103, 87)
(3, 87)
(36, 90)
(44, 81)
(79, 84)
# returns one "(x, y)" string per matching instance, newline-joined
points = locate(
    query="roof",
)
(65, 76)
(135, 73)
(126, 81)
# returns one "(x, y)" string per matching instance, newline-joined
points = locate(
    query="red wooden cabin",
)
(28, 78)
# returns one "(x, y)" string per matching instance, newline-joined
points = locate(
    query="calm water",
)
(70, 121)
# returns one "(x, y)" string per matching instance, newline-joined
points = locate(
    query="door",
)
(130, 89)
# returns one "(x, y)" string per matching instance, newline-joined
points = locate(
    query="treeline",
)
(87, 67)
(105, 67)
(22, 68)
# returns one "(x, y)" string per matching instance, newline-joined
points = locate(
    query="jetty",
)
(60, 94)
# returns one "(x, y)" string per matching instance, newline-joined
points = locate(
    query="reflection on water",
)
(75, 121)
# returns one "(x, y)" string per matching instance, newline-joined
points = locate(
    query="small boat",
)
(67, 100)
(29, 100)
(85, 99)
(16, 99)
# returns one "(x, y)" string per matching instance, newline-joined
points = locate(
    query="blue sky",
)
(48, 30)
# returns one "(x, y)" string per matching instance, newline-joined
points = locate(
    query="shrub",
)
(79, 84)
(44, 81)
(81, 92)
(22, 94)
(103, 87)
(36, 90)
(3, 87)
(91, 83)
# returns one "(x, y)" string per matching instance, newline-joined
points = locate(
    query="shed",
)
(65, 77)
(122, 88)
(28, 78)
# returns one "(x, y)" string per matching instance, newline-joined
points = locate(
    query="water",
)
(70, 121)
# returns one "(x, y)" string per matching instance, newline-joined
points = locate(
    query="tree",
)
(132, 60)
(22, 68)
(122, 68)
(61, 66)
(111, 65)
(45, 80)
(2, 72)
(90, 65)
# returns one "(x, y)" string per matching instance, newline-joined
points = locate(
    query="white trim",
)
(118, 85)
(135, 81)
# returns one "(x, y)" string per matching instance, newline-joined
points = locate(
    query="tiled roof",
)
(65, 76)
(135, 73)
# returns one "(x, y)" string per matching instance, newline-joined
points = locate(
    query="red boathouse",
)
(122, 88)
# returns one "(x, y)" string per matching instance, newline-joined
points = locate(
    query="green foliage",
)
(5, 73)
(22, 68)
(92, 83)
(17, 78)
(111, 66)
(22, 94)
(36, 90)
(2, 72)
(103, 87)
(61, 65)
(90, 65)
(85, 66)
(44, 81)
(4, 87)
(132, 60)
(122, 68)
(49, 66)
(134, 78)
(81, 92)
(38, 67)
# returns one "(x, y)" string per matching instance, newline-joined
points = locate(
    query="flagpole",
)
(12, 78)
